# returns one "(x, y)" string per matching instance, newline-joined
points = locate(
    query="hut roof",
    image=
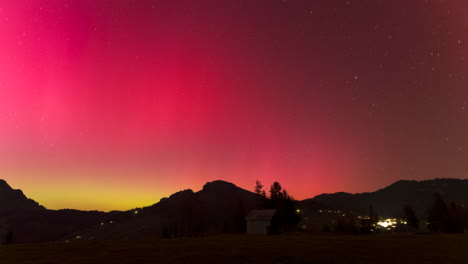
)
(261, 215)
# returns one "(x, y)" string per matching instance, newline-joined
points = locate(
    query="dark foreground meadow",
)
(291, 248)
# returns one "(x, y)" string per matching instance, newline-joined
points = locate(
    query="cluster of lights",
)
(102, 224)
(330, 211)
(390, 223)
(387, 223)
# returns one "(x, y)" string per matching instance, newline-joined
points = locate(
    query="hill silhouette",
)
(220, 207)
(15, 201)
(31, 222)
(388, 201)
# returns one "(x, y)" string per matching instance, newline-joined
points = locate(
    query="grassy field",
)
(290, 248)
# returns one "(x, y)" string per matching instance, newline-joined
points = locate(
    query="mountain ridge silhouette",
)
(388, 201)
(219, 207)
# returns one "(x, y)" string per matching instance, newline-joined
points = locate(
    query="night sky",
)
(114, 104)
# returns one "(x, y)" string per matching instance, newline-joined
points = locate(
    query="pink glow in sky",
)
(116, 104)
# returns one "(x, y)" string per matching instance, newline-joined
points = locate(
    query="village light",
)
(388, 223)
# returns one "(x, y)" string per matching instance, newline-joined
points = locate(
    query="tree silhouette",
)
(410, 217)
(372, 215)
(456, 219)
(276, 191)
(367, 224)
(287, 216)
(438, 215)
(9, 238)
(165, 233)
(259, 188)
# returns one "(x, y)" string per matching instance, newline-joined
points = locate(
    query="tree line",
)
(278, 198)
(444, 218)
(440, 218)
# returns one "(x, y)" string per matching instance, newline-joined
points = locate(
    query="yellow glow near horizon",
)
(85, 194)
(93, 199)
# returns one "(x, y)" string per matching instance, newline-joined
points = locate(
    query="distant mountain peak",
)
(337, 195)
(218, 184)
(389, 200)
(181, 194)
(403, 182)
(15, 200)
(432, 182)
(4, 185)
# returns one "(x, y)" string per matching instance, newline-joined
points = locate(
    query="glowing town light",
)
(387, 223)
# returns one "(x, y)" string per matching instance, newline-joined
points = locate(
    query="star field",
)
(116, 104)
